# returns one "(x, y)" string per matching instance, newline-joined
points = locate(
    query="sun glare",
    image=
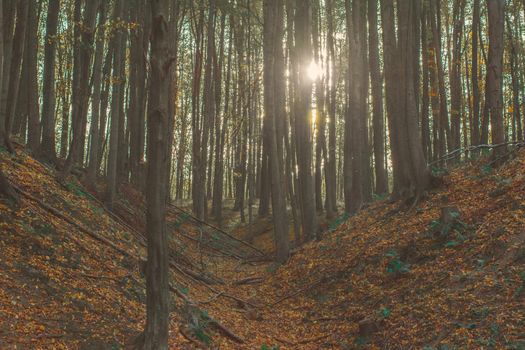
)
(314, 71)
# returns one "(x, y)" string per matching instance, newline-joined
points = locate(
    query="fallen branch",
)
(457, 152)
(71, 221)
(226, 331)
(218, 229)
(249, 280)
(297, 292)
(213, 298)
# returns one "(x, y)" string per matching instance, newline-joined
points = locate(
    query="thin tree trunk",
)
(115, 110)
(494, 93)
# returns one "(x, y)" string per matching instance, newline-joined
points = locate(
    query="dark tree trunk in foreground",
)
(31, 65)
(273, 35)
(411, 175)
(494, 89)
(47, 146)
(303, 52)
(157, 283)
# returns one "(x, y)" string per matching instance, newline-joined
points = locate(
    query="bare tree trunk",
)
(474, 128)
(15, 68)
(494, 89)
(157, 273)
(455, 73)
(377, 99)
(303, 52)
(273, 36)
(95, 137)
(9, 15)
(47, 147)
(331, 174)
(33, 122)
(115, 110)
(411, 175)
(86, 32)
(425, 122)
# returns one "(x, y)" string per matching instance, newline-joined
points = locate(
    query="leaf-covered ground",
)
(388, 278)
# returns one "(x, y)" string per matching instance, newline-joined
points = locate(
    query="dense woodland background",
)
(308, 107)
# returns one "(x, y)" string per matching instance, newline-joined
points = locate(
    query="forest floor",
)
(387, 278)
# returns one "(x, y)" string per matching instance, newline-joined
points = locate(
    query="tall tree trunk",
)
(15, 68)
(47, 147)
(95, 137)
(273, 36)
(425, 122)
(377, 99)
(85, 35)
(474, 128)
(115, 110)
(331, 176)
(303, 52)
(9, 15)
(455, 73)
(33, 122)
(411, 175)
(494, 89)
(157, 268)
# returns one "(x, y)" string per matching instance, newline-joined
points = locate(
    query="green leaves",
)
(266, 347)
(395, 265)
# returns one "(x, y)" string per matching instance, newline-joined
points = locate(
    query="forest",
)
(266, 128)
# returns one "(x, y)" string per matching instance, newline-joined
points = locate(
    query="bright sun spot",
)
(314, 71)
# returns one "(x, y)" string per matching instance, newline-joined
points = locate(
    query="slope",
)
(387, 278)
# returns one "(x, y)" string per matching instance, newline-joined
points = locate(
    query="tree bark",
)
(157, 273)
(115, 110)
(494, 89)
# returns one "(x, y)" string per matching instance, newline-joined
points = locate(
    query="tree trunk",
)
(47, 147)
(494, 89)
(303, 52)
(377, 99)
(15, 68)
(115, 110)
(95, 137)
(157, 268)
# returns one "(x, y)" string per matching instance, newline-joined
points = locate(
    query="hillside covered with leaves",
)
(391, 277)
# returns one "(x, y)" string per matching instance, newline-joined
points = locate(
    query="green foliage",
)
(521, 288)
(395, 265)
(267, 347)
(438, 172)
(71, 187)
(385, 312)
(337, 222)
(182, 218)
(379, 197)
(199, 326)
(453, 232)
(486, 169)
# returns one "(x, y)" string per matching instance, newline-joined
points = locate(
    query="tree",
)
(303, 126)
(115, 108)
(376, 80)
(274, 108)
(17, 52)
(157, 284)
(411, 175)
(494, 89)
